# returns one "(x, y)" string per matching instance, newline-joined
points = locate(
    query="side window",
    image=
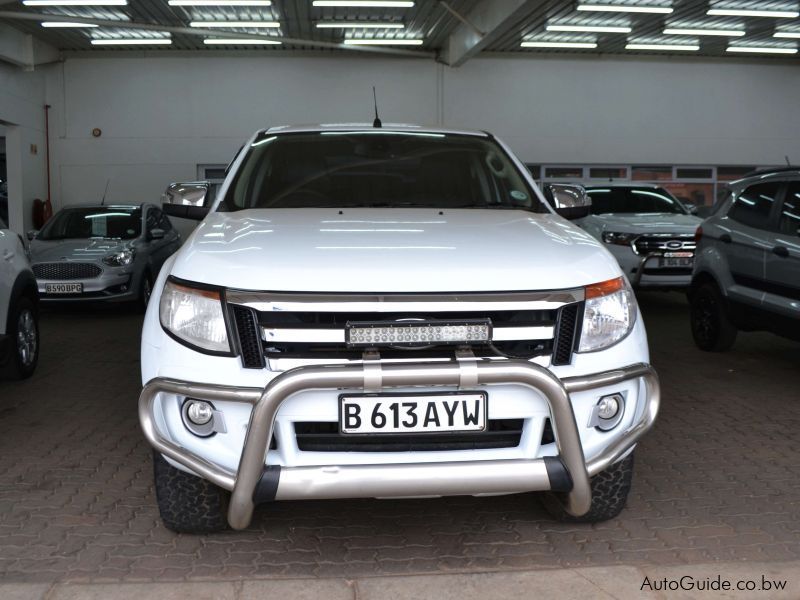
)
(789, 219)
(3, 224)
(153, 216)
(754, 205)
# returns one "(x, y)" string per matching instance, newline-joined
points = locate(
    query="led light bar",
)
(365, 3)
(220, 2)
(418, 333)
(239, 42)
(382, 42)
(132, 42)
(787, 34)
(75, 2)
(589, 28)
(358, 25)
(690, 31)
(586, 45)
(779, 14)
(679, 47)
(625, 8)
(65, 24)
(230, 24)
(761, 50)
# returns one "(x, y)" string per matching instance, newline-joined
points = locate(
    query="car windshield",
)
(108, 222)
(378, 168)
(633, 200)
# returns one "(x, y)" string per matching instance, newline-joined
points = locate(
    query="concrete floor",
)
(718, 479)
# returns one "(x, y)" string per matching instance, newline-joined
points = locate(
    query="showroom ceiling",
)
(678, 27)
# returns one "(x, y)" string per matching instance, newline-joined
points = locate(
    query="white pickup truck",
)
(389, 312)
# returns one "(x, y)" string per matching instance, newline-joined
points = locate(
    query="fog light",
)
(607, 408)
(199, 412)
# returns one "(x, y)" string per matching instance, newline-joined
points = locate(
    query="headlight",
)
(620, 239)
(194, 316)
(119, 259)
(608, 315)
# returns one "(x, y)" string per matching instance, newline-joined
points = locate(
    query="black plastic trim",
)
(560, 479)
(267, 486)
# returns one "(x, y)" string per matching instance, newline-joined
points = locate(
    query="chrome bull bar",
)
(254, 482)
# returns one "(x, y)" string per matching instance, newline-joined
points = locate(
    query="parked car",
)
(389, 312)
(747, 273)
(647, 229)
(19, 308)
(108, 253)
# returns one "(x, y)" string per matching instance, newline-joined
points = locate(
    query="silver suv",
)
(747, 267)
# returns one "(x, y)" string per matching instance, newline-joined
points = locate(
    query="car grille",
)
(667, 242)
(325, 437)
(62, 271)
(524, 325)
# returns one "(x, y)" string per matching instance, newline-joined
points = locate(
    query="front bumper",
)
(114, 285)
(256, 482)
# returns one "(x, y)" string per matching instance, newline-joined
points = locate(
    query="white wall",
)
(22, 99)
(161, 117)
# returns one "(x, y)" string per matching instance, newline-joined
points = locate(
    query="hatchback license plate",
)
(412, 413)
(63, 288)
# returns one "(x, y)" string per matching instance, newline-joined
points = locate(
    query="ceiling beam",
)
(23, 50)
(479, 28)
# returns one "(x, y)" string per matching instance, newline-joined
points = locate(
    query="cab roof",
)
(393, 127)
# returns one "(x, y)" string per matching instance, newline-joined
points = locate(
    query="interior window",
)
(789, 220)
(754, 205)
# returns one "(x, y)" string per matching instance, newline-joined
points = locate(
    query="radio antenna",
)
(377, 122)
(788, 164)
(103, 201)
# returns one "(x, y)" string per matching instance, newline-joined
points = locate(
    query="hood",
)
(648, 222)
(392, 250)
(74, 250)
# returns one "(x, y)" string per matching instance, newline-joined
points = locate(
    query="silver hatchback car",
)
(102, 253)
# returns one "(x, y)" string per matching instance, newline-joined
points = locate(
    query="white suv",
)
(388, 312)
(19, 314)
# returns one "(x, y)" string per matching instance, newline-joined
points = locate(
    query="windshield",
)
(376, 168)
(633, 200)
(110, 222)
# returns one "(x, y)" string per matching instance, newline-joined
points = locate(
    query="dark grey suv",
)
(747, 266)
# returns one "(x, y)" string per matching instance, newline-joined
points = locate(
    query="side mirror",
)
(186, 200)
(157, 234)
(569, 201)
(32, 234)
(691, 207)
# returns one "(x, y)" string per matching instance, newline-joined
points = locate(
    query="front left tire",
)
(23, 328)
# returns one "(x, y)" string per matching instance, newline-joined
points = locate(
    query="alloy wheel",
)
(27, 337)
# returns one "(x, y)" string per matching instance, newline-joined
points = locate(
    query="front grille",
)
(678, 242)
(63, 271)
(249, 340)
(566, 334)
(325, 437)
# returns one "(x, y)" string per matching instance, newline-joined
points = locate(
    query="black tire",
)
(712, 329)
(23, 329)
(187, 503)
(146, 291)
(610, 490)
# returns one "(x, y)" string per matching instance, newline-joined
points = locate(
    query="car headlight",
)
(620, 239)
(194, 316)
(608, 315)
(119, 259)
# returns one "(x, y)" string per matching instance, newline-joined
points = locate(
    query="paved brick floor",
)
(718, 479)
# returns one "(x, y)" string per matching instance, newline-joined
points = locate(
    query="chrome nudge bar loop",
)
(470, 477)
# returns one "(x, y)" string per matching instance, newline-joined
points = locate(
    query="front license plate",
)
(412, 413)
(668, 261)
(63, 288)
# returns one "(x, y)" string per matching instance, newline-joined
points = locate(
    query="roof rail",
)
(770, 170)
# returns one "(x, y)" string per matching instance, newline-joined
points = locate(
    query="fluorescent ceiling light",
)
(66, 24)
(679, 47)
(365, 3)
(132, 42)
(625, 8)
(220, 2)
(780, 14)
(75, 2)
(358, 25)
(591, 28)
(239, 42)
(761, 50)
(382, 42)
(230, 24)
(723, 32)
(587, 45)
(787, 34)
